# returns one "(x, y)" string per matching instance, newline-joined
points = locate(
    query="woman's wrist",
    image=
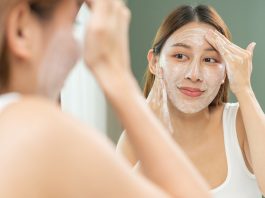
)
(117, 85)
(244, 94)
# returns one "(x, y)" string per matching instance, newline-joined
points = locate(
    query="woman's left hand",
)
(238, 61)
(106, 40)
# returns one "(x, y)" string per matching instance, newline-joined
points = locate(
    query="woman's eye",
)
(181, 56)
(210, 60)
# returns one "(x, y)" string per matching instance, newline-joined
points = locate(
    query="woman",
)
(191, 61)
(46, 153)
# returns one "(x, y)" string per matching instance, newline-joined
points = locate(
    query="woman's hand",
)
(106, 43)
(157, 101)
(238, 61)
(106, 50)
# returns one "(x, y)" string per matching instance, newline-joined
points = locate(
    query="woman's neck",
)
(189, 125)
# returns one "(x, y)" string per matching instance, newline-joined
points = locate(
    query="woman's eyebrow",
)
(181, 45)
(210, 49)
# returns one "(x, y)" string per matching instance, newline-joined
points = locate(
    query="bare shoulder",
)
(37, 125)
(40, 122)
(33, 115)
(42, 147)
(47, 153)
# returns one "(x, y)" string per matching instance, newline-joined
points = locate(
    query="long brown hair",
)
(43, 9)
(178, 18)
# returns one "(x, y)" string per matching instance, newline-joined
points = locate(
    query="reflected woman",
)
(193, 62)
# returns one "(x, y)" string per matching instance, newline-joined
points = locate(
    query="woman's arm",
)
(162, 160)
(254, 123)
(239, 67)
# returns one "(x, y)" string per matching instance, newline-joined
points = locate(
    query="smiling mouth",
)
(191, 92)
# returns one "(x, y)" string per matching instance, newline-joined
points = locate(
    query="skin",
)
(50, 154)
(200, 134)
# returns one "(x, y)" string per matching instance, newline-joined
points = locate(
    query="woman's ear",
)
(19, 32)
(152, 61)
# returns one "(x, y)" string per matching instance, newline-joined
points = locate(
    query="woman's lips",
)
(191, 92)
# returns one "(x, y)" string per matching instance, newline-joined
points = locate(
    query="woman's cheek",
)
(177, 70)
(214, 75)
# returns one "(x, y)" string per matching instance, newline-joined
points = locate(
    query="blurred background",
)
(81, 95)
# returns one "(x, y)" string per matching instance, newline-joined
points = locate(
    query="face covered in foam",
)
(193, 70)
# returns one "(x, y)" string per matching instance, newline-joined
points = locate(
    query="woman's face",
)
(192, 69)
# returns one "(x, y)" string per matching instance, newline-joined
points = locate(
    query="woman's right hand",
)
(106, 50)
(158, 102)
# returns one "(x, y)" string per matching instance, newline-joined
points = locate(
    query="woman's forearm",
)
(254, 122)
(162, 160)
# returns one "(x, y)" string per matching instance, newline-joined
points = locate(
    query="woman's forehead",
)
(193, 34)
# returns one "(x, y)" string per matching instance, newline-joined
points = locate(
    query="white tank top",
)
(6, 99)
(239, 183)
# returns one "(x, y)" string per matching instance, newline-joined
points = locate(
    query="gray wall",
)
(245, 18)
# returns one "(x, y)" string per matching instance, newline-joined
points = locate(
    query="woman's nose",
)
(193, 72)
